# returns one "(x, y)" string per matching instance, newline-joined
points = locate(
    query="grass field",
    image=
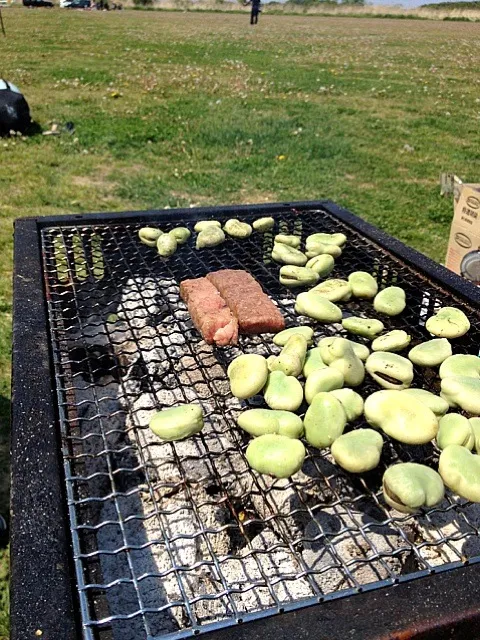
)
(190, 109)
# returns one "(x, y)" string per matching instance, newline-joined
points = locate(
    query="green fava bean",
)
(248, 375)
(431, 353)
(408, 486)
(237, 229)
(149, 236)
(390, 370)
(281, 338)
(291, 241)
(390, 301)
(463, 392)
(475, 424)
(438, 405)
(257, 422)
(262, 225)
(275, 455)
(315, 248)
(313, 362)
(368, 328)
(322, 380)
(202, 225)
(181, 234)
(322, 264)
(177, 423)
(448, 322)
(292, 356)
(401, 417)
(316, 306)
(361, 351)
(292, 276)
(460, 470)
(455, 429)
(460, 365)
(335, 290)
(338, 239)
(324, 421)
(283, 392)
(284, 254)
(358, 451)
(352, 402)
(210, 237)
(363, 285)
(338, 353)
(395, 340)
(166, 245)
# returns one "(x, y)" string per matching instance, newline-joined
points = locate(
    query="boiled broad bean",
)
(338, 239)
(431, 353)
(275, 455)
(292, 241)
(390, 370)
(166, 245)
(438, 405)
(324, 421)
(460, 470)
(314, 305)
(322, 380)
(352, 402)
(361, 351)
(390, 301)
(149, 236)
(313, 362)
(292, 356)
(455, 429)
(408, 486)
(335, 290)
(291, 276)
(262, 225)
(395, 340)
(284, 254)
(177, 423)
(401, 417)
(181, 234)
(248, 375)
(463, 392)
(283, 392)
(448, 322)
(315, 248)
(202, 225)
(368, 328)
(257, 422)
(322, 264)
(210, 237)
(460, 365)
(237, 229)
(363, 285)
(281, 338)
(358, 451)
(339, 354)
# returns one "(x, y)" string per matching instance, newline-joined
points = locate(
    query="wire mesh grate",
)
(173, 539)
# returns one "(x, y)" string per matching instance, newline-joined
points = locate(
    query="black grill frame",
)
(43, 585)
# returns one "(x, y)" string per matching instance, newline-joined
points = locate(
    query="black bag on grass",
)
(14, 109)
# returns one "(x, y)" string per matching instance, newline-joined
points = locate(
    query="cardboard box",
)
(463, 253)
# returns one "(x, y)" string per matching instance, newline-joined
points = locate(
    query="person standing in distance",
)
(256, 4)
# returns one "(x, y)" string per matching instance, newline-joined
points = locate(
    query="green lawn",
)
(190, 109)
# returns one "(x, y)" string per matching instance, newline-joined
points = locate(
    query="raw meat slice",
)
(253, 309)
(209, 312)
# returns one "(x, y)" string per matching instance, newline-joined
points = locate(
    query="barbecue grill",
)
(118, 535)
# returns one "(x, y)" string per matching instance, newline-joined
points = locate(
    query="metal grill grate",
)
(179, 538)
